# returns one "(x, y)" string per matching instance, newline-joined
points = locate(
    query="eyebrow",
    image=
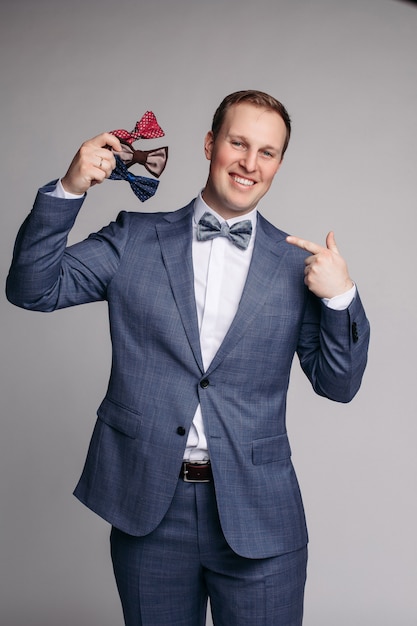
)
(243, 138)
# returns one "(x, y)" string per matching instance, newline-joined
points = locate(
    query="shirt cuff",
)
(59, 192)
(341, 302)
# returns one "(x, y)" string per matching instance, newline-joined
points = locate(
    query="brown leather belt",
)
(193, 472)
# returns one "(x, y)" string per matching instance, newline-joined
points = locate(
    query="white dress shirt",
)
(220, 271)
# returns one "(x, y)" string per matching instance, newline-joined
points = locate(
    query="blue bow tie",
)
(144, 188)
(239, 234)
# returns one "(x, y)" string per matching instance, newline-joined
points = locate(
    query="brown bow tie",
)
(153, 160)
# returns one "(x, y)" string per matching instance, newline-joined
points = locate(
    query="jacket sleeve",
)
(333, 348)
(45, 274)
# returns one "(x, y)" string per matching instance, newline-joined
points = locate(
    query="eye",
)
(236, 143)
(268, 154)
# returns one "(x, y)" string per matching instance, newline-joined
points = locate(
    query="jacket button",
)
(181, 431)
(204, 383)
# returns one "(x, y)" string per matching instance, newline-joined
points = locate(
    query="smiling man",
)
(189, 460)
(245, 153)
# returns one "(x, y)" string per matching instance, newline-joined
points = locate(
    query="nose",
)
(249, 160)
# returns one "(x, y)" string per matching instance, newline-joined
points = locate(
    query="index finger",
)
(107, 140)
(309, 246)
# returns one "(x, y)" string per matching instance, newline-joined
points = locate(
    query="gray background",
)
(347, 73)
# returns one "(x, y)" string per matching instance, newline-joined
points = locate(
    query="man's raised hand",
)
(92, 164)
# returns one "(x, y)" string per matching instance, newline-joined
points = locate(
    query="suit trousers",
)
(166, 577)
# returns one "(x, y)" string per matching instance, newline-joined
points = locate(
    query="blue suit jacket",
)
(142, 265)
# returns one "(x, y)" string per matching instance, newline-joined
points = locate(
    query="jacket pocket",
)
(119, 417)
(270, 449)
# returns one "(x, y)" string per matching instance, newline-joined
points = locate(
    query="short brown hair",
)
(257, 98)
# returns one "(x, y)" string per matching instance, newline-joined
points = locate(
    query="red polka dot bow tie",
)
(146, 128)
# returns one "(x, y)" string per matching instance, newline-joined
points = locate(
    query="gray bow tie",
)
(239, 234)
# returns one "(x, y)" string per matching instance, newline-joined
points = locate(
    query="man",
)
(189, 460)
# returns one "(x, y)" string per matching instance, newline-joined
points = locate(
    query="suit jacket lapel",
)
(175, 238)
(268, 253)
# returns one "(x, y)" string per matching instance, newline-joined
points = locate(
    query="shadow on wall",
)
(414, 2)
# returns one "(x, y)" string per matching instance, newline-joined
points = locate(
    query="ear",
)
(208, 145)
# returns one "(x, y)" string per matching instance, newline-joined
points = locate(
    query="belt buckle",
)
(192, 480)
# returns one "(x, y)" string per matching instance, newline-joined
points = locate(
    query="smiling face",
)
(244, 158)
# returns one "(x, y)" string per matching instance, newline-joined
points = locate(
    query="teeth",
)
(243, 181)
